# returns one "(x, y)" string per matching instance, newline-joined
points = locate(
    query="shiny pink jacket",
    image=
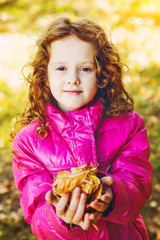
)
(120, 147)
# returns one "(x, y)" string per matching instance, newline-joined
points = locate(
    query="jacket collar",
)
(91, 115)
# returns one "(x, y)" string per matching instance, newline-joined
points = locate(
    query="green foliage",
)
(26, 16)
(147, 98)
(11, 104)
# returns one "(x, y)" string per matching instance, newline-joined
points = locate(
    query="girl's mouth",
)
(72, 92)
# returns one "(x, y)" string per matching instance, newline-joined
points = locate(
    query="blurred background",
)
(134, 27)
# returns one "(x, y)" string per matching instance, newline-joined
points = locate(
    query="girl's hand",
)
(106, 198)
(75, 212)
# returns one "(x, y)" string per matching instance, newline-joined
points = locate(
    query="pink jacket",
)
(120, 147)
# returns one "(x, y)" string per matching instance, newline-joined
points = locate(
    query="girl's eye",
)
(61, 68)
(85, 69)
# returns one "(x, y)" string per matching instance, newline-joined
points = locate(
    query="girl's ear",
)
(47, 80)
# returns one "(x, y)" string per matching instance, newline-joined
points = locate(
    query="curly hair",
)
(115, 99)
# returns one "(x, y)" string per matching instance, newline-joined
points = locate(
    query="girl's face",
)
(72, 73)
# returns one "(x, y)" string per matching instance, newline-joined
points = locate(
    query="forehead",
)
(72, 48)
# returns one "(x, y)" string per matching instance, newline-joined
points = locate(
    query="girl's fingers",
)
(107, 180)
(61, 205)
(75, 212)
(81, 209)
(50, 197)
(108, 194)
(74, 203)
(99, 206)
(107, 197)
(85, 224)
(95, 216)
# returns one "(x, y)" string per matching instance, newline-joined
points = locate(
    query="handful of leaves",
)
(83, 177)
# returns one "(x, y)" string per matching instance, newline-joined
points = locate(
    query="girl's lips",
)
(74, 92)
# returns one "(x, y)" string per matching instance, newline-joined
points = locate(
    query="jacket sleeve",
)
(132, 175)
(29, 174)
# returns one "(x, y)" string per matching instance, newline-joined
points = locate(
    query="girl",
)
(80, 113)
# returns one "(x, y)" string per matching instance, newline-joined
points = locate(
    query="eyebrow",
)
(86, 62)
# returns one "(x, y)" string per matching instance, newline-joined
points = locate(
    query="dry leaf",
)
(83, 177)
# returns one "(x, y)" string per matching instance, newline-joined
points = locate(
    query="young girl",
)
(80, 113)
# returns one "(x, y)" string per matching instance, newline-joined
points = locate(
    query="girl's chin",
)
(65, 108)
(71, 106)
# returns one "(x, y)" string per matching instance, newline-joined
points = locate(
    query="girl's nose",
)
(75, 82)
(73, 79)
